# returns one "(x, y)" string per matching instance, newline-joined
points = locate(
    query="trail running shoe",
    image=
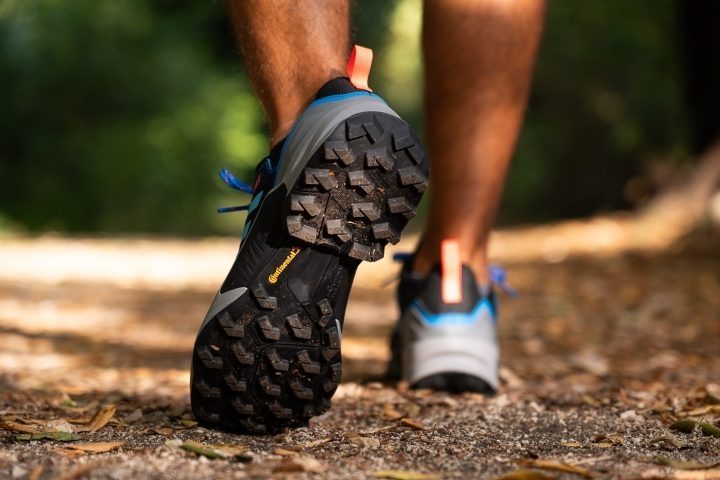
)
(446, 338)
(345, 183)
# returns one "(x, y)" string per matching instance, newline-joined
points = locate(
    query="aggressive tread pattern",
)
(358, 192)
(271, 359)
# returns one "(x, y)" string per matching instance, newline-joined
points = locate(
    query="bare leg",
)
(291, 48)
(479, 57)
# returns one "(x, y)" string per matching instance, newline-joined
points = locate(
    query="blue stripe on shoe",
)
(255, 202)
(454, 318)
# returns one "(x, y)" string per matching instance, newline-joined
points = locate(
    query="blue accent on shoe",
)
(499, 277)
(255, 202)
(454, 318)
(234, 182)
(402, 257)
(232, 209)
(341, 96)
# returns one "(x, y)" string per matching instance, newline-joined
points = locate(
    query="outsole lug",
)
(210, 360)
(339, 151)
(206, 390)
(299, 330)
(243, 356)
(230, 328)
(236, 385)
(321, 176)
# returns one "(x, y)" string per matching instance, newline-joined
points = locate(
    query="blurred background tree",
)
(116, 116)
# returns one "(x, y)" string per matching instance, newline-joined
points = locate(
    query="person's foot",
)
(446, 336)
(342, 185)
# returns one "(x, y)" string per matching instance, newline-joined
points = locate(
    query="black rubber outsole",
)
(359, 192)
(271, 360)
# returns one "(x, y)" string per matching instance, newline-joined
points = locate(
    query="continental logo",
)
(273, 277)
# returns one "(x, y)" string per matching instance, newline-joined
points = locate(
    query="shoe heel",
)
(450, 357)
(360, 188)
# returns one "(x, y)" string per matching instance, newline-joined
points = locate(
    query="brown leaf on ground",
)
(95, 447)
(525, 475)
(285, 452)
(316, 443)
(572, 444)
(559, 467)
(390, 413)
(416, 424)
(607, 441)
(700, 411)
(101, 418)
(405, 475)
(685, 464)
(299, 464)
(681, 474)
(18, 427)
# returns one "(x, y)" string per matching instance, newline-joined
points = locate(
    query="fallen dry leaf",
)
(299, 464)
(559, 467)
(685, 464)
(682, 474)
(572, 444)
(416, 424)
(607, 441)
(95, 447)
(390, 413)
(316, 443)
(405, 475)
(18, 427)
(284, 452)
(525, 475)
(703, 410)
(101, 418)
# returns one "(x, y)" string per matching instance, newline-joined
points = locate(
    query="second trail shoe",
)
(341, 186)
(446, 337)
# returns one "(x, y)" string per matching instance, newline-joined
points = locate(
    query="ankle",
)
(475, 257)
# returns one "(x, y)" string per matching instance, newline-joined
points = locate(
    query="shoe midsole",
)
(457, 355)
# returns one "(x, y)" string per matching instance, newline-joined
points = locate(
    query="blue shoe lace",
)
(236, 184)
(497, 274)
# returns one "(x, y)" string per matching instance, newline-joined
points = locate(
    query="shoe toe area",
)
(454, 382)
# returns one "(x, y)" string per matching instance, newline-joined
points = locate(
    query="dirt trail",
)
(604, 350)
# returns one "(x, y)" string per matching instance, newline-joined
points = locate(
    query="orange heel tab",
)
(451, 271)
(358, 67)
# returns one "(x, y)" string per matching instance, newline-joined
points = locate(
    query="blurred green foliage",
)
(116, 116)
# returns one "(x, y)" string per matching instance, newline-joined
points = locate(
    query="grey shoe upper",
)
(434, 337)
